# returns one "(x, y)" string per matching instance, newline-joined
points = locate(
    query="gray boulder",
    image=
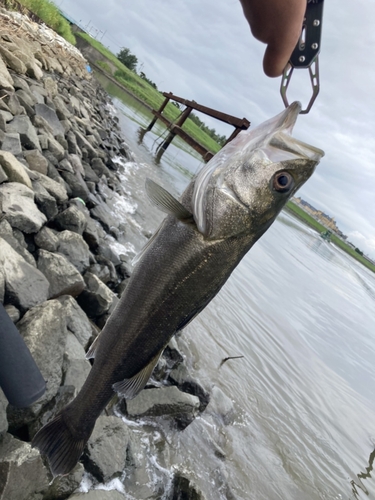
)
(105, 455)
(36, 161)
(25, 286)
(72, 219)
(51, 86)
(98, 495)
(6, 81)
(77, 321)
(14, 169)
(63, 486)
(8, 235)
(22, 125)
(11, 142)
(44, 330)
(3, 175)
(19, 208)
(12, 312)
(220, 406)
(53, 187)
(76, 368)
(104, 215)
(23, 475)
(51, 117)
(165, 401)
(75, 249)
(55, 148)
(45, 202)
(76, 184)
(97, 299)
(47, 239)
(12, 61)
(3, 415)
(63, 277)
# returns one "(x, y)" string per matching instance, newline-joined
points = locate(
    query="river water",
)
(302, 315)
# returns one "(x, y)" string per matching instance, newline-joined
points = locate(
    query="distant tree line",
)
(130, 61)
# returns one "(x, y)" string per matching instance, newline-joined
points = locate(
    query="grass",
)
(105, 66)
(150, 95)
(50, 14)
(301, 214)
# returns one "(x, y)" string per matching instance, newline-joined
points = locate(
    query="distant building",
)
(324, 219)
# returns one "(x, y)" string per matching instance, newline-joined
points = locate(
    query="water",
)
(301, 312)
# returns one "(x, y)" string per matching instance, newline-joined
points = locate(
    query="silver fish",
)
(228, 206)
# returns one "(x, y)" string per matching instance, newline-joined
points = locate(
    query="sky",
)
(203, 50)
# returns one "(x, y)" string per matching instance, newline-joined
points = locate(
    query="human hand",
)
(278, 23)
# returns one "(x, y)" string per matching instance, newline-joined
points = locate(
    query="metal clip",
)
(305, 54)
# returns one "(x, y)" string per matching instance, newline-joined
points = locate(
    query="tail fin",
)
(56, 441)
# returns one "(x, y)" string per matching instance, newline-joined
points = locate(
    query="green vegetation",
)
(128, 59)
(301, 214)
(104, 65)
(147, 92)
(50, 14)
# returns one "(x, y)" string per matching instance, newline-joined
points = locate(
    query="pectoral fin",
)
(166, 202)
(92, 350)
(130, 387)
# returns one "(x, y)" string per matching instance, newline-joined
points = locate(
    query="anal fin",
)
(130, 387)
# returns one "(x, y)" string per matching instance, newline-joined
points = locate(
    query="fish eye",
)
(283, 182)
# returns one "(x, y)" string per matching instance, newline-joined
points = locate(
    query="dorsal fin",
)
(166, 202)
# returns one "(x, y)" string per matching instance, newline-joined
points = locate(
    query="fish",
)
(225, 209)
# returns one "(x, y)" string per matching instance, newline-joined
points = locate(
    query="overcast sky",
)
(203, 50)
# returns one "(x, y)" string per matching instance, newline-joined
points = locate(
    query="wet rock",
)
(72, 219)
(165, 401)
(220, 405)
(97, 298)
(105, 456)
(36, 161)
(84, 144)
(75, 249)
(23, 475)
(75, 367)
(98, 495)
(12, 312)
(63, 486)
(90, 175)
(103, 214)
(25, 286)
(19, 208)
(22, 125)
(11, 143)
(44, 330)
(47, 239)
(76, 320)
(51, 118)
(99, 167)
(63, 277)
(180, 376)
(14, 169)
(6, 81)
(3, 415)
(77, 184)
(183, 489)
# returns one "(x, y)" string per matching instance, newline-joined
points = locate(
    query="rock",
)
(25, 286)
(22, 125)
(43, 141)
(75, 249)
(165, 401)
(51, 117)
(19, 208)
(3, 417)
(63, 486)
(76, 320)
(11, 143)
(45, 202)
(63, 277)
(90, 175)
(7, 234)
(83, 143)
(2, 286)
(103, 214)
(44, 330)
(76, 184)
(61, 109)
(14, 105)
(71, 219)
(6, 81)
(33, 70)
(180, 376)
(14, 169)
(76, 368)
(23, 475)
(47, 239)
(220, 405)
(19, 83)
(55, 148)
(97, 298)
(36, 161)
(43, 126)
(3, 176)
(54, 188)
(105, 456)
(12, 312)
(51, 86)
(98, 495)
(183, 488)
(26, 98)
(99, 167)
